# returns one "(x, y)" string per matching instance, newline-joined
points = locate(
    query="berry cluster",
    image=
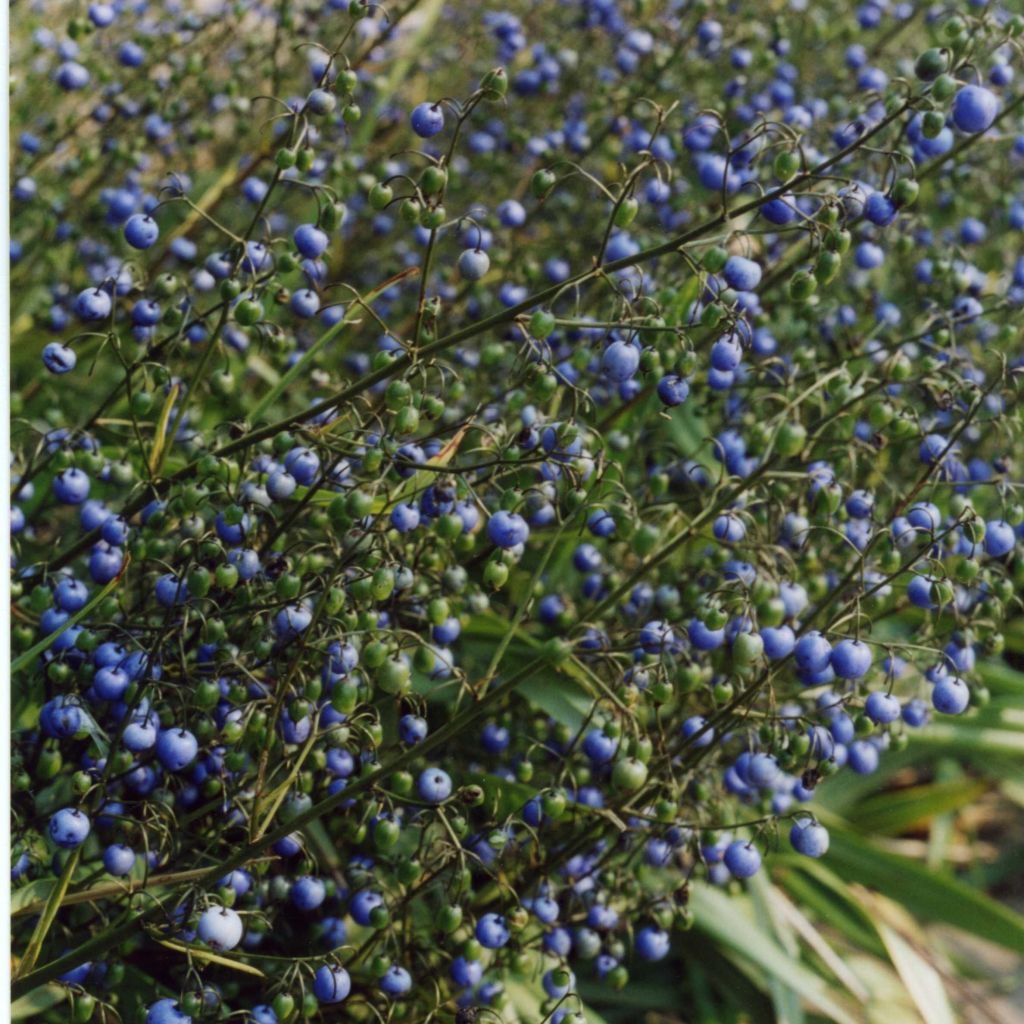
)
(447, 528)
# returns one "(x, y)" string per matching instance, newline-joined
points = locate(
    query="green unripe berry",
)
(943, 88)
(625, 212)
(495, 575)
(494, 85)
(787, 163)
(932, 124)
(827, 266)
(381, 195)
(930, 64)
(629, 775)
(542, 323)
(433, 179)
(449, 918)
(747, 648)
(714, 259)
(905, 192)
(791, 438)
(248, 312)
(541, 183)
(802, 286)
(394, 676)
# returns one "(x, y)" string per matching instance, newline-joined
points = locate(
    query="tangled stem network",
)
(476, 474)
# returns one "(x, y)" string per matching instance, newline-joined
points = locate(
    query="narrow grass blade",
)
(718, 916)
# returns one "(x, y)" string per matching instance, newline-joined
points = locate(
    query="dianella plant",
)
(515, 510)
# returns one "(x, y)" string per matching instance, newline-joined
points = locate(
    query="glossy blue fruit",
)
(974, 109)
(620, 361)
(397, 982)
(69, 827)
(1000, 538)
(331, 984)
(812, 652)
(141, 231)
(809, 837)
(176, 748)
(427, 120)
(307, 892)
(220, 928)
(882, 707)
(474, 264)
(742, 859)
(492, 931)
(58, 358)
(434, 785)
(119, 859)
(651, 943)
(851, 659)
(951, 695)
(507, 529)
(166, 1011)
(71, 486)
(742, 274)
(310, 240)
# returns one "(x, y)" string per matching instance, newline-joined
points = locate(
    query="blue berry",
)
(474, 264)
(599, 746)
(119, 859)
(331, 984)
(703, 638)
(305, 303)
(492, 931)
(434, 785)
(58, 358)
(69, 828)
(779, 642)
(310, 240)
(673, 390)
(851, 659)
(809, 838)
(176, 748)
(812, 652)
(405, 518)
(742, 274)
(763, 771)
(742, 859)
(620, 360)
(397, 982)
(511, 213)
(412, 729)
(72, 76)
(141, 231)
(951, 695)
(71, 486)
(974, 109)
(1000, 538)
(93, 304)
(882, 708)
(507, 529)
(166, 1011)
(651, 943)
(915, 713)
(466, 973)
(308, 893)
(363, 904)
(427, 120)
(220, 928)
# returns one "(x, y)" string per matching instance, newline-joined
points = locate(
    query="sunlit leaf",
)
(37, 1001)
(719, 917)
(928, 895)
